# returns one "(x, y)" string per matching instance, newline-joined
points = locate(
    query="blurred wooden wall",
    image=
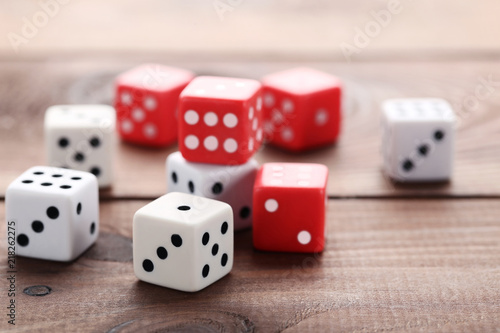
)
(248, 29)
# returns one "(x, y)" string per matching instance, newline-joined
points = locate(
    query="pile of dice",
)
(184, 239)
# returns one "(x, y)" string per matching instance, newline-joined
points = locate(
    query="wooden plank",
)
(389, 265)
(29, 88)
(251, 29)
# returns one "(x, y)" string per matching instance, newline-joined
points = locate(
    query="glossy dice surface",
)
(220, 120)
(302, 108)
(55, 212)
(289, 207)
(230, 184)
(81, 137)
(146, 103)
(182, 241)
(418, 139)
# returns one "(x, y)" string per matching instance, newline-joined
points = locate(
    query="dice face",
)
(55, 212)
(146, 103)
(418, 139)
(301, 109)
(81, 137)
(183, 242)
(230, 184)
(289, 204)
(220, 120)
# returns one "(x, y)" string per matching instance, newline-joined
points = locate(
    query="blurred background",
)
(252, 29)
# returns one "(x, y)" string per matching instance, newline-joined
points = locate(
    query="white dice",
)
(53, 213)
(418, 139)
(232, 184)
(81, 137)
(183, 242)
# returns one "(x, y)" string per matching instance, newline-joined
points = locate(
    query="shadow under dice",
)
(81, 137)
(418, 139)
(232, 184)
(55, 212)
(183, 242)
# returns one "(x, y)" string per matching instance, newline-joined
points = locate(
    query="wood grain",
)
(389, 265)
(398, 258)
(29, 88)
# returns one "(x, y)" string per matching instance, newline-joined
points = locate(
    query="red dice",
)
(301, 108)
(289, 202)
(220, 120)
(146, 103)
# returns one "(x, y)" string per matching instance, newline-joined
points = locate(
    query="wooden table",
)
(398, 258)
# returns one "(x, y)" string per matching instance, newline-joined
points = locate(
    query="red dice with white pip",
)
(289, 207)
(302, 108)
(220, 120)
(146, 103)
